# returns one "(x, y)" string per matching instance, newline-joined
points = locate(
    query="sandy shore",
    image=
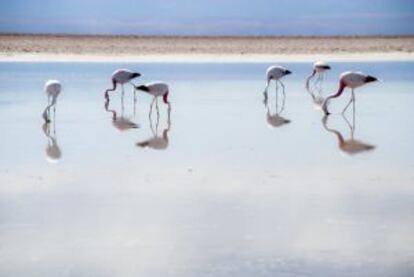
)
(204, 49)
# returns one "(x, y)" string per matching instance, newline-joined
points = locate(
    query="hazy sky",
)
(209, 17)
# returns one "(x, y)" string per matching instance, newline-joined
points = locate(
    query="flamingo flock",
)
(159, 89)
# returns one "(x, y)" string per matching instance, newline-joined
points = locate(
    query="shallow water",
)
(229, 190)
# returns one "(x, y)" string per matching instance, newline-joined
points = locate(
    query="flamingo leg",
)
(347, 105)
(54, 111)
(157, 108)
(284, 96)
(152, 104)
(277, 97)
(122, 106)
(267, 85)
(169, 116)
(135, 101)
(353, 112)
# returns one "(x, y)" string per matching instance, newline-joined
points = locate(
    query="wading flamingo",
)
(319, 68)
(52, 90)
(121, 76)
(156, 89)
(276, 73)
(351, 80)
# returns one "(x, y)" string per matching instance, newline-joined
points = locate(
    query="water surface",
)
(228, 188)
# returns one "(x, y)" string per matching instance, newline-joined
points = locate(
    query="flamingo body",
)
(156, 89)
(355, 79)
(321, 66)
(122, 76)
(276, 72)
(53, 88)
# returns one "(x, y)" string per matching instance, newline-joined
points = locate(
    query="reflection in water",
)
(319, 69)
(350, 146)
(121, 122)
(316, 92)
(157, 142)
(274, 119)
(53, 152)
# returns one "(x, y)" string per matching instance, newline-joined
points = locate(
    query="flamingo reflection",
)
(316, 93)
(53, 152)
(274, 119)
(121, 122)
(157, 142)
(349, 146)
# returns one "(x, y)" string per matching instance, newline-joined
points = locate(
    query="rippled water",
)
(225, 187)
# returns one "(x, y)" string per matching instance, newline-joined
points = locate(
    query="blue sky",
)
(209, 17)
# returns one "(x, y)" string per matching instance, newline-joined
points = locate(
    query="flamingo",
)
(52, 90)
(319, 68)
(276, 73)
(351, 80)
(121, 76)
(156, 89)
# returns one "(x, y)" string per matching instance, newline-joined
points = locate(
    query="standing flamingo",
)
(319, 68)
(121, 76)
(52, 90)
(352, 80)
(276, 73)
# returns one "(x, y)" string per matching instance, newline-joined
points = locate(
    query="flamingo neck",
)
(309, 78)
(110, 89)
(337, 94)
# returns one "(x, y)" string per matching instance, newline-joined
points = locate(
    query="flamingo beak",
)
(287, 72)
(136, 74)
(370, 79)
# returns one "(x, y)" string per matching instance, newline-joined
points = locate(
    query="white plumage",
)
(276, 72)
